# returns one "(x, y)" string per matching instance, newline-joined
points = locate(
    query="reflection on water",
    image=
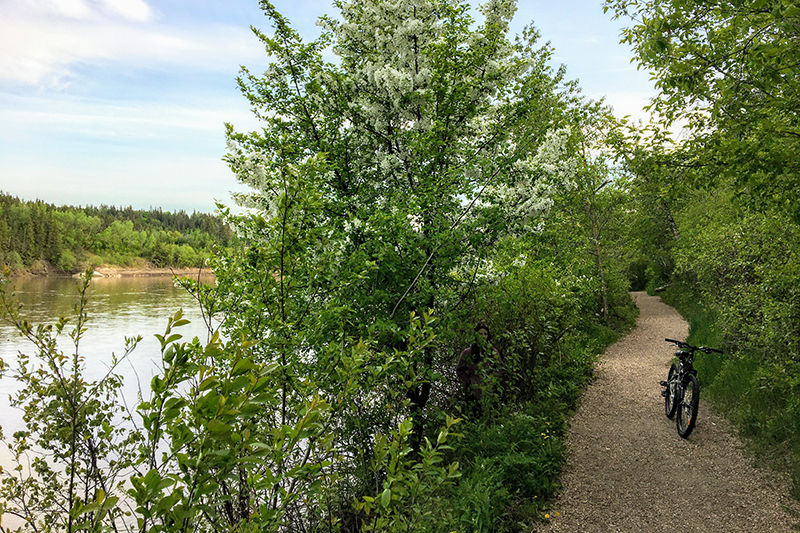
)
(117, 308)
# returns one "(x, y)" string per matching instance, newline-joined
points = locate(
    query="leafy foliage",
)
(396, 145)
(73, 456)
(376, 235)
(730, 71)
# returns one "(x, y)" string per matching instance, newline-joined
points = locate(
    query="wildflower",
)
(547, 516)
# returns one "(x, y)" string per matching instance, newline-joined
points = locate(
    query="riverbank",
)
(112, 272)
(122, 272)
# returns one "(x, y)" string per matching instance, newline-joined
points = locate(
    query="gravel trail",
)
(628, 469)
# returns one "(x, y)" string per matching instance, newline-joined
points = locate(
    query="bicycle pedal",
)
(664, 383)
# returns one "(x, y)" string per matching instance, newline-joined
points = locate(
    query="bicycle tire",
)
(687, 407)
(670, 402)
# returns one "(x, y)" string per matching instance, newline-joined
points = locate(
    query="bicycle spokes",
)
(681, 390)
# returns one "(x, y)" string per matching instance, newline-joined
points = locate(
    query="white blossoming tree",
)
(368, 202)
(419, 114)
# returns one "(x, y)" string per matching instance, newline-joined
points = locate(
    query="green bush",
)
(185, 256)
(511, 463)
(13, 261)
(67, 261)
(480, 500)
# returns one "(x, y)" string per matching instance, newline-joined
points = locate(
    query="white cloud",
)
(135, 10)
(130, 9)
(83, 121)
(41, 49)
(77, 9)
(180, 182)
(87, 151)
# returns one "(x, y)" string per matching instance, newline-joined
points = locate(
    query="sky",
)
(123, 102)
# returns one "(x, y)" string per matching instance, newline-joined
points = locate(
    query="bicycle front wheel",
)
(670, 399)
(687, 408)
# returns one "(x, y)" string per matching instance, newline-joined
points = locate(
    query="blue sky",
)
(123, 102)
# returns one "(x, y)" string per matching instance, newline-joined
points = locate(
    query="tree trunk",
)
(604, 287)
(671, 221)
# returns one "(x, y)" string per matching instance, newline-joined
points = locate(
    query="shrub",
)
(13, 261)
(67, 261)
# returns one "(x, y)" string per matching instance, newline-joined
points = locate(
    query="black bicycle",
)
(681, 390)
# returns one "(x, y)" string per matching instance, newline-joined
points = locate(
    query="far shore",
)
(120, 272)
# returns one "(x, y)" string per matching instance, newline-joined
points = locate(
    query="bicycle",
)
(681, 390)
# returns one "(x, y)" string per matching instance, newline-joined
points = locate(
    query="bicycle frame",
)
(686, 366)
(682, 378)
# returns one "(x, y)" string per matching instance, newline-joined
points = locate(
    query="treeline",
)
(35, 235)
(717, 216)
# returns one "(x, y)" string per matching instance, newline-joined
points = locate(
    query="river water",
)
(118, 307)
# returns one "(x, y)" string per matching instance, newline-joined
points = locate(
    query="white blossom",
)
(530, 194)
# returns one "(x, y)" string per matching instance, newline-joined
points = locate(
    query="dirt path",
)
(630, 471)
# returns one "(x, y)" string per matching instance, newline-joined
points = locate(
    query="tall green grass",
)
(702, 329)
(761, 397)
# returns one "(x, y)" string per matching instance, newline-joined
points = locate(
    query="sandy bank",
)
(116, 272)
(122, 272)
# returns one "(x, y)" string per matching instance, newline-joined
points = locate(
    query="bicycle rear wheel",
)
(670, 399)
(687, 407)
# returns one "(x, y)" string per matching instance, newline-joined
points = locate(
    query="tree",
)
(368, 200)
(570, 183)
(73, 455)
(409, 128)
(730, 70)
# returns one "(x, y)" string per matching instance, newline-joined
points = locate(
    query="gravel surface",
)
(630, 471)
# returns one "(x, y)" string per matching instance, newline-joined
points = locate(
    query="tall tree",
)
(408, 127)
(570, 183)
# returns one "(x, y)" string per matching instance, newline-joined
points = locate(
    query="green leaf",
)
(217, 426)
(172, 338)
(386, 497)
(90, 508)
(208, 383)
(242, 366)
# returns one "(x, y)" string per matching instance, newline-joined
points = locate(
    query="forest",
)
(40, 237)
(439, 177)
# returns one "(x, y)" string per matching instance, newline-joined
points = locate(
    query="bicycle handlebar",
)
(704, 349)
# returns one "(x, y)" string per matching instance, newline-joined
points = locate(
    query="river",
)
(118, 307)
